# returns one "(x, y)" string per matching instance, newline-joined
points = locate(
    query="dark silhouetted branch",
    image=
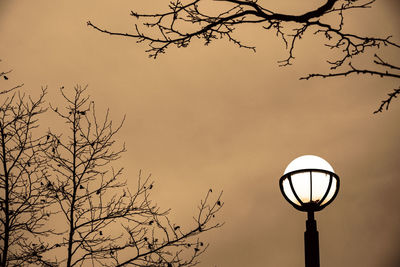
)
(196, 19)
(4, 76)
(386, 73)
(387, 101)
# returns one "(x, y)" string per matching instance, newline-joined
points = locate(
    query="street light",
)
(309, 184)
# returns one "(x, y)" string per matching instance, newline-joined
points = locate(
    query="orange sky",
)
(230, 119)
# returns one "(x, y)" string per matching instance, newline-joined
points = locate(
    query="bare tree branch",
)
(158, 242)
(4, 76)
(192, 19)
(382, 74)
(385, 103)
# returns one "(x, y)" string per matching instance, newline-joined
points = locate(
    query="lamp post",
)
(309, 184)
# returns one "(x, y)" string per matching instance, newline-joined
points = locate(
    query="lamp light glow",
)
(308, 162)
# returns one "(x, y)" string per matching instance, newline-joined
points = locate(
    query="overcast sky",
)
(229, 119)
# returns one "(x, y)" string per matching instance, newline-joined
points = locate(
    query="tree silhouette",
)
(23, 198)
(105, 223)
(196, 19)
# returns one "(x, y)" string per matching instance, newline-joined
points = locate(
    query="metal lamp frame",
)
(311, 206)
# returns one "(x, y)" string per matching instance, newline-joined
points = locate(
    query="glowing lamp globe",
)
(309, 183)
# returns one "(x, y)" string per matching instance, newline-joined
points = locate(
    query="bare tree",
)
(23, 198)
(105, 223)
(193, 19)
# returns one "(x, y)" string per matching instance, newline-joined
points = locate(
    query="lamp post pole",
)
(311, 246)
(309, 184)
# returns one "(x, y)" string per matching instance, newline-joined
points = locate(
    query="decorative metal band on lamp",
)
(309, 183)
